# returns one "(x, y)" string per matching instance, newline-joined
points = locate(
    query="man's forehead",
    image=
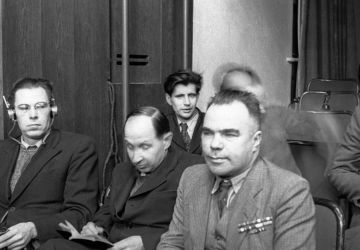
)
(139, 134)
(31, 94)
(234, 108)
(139, 125)
(182, 88)
(227, 115)
(138, 139)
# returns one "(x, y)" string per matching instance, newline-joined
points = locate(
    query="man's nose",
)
(33, 113)
(136, 156)
(216, 142)
(187, 100)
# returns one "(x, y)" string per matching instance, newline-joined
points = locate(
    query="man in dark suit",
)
(46, 175)
(238, 200)
(143, 191)
(182, 93)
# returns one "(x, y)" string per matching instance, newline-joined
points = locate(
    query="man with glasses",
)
(46, 175)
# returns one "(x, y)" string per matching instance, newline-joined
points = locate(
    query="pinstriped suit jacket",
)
(266, 191)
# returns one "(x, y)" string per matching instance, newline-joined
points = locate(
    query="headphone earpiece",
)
(53, 108)
(11, 114)
(54, 111)
(10, 111)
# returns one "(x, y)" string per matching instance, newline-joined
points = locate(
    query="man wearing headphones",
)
(47, 176)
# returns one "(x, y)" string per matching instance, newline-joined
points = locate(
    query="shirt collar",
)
(235, 182)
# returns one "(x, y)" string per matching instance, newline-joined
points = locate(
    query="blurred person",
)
(344, 175)
(276, 122)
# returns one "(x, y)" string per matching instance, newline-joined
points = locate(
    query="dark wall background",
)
(65, 41)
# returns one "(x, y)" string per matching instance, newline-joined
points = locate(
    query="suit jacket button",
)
(12, 209)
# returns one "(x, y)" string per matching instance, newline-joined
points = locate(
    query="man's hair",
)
(184, 77)
(29, 83)
(254, 77)
(159, 120)
(228, 96)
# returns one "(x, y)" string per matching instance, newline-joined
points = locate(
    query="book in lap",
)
(93, 240)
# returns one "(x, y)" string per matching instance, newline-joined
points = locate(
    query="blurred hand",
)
(130, 243)
(18, 236)
(90, 229)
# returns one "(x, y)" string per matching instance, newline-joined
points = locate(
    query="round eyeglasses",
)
(25, 108)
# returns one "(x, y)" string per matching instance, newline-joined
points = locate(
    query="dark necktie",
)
(223, 193)
(185, 135)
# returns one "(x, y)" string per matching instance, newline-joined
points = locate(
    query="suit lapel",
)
(159, 176)
(246, 204)
(200, 209)
(39, 160)
(9, 157)
(177, 138)
(196, 138)
(125, 176)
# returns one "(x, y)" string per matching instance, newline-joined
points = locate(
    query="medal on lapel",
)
(255, 226)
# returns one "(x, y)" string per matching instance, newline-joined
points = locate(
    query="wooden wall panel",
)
(3, 115)
(92, 67)
(155, 29)
(58, 39)
(21, 42)
(144, 34)
(67, 42)
(172, 37)
(21, 39)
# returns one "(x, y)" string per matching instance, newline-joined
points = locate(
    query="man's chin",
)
(218, 169)
(186, 116)
(35, 135)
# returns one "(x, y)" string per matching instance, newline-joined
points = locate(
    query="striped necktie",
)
(223, 193)
(185, 135)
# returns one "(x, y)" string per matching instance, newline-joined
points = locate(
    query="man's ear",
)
(257, 140)
(167, 139)
(168, 99)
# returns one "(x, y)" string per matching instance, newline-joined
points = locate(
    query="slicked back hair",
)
(159, 120)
